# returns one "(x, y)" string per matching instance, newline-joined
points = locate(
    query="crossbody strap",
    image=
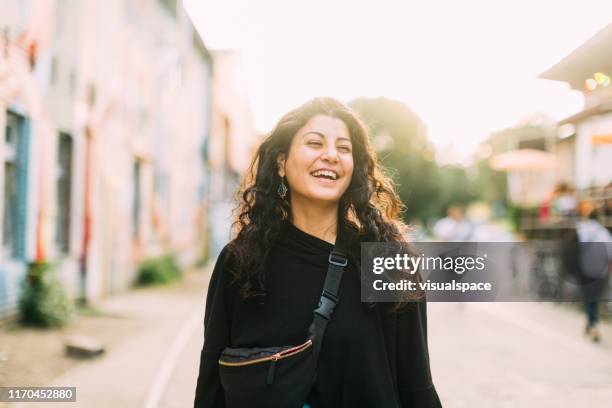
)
(338, 259)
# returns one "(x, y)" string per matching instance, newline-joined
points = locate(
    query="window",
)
(72, 82)
(61, 9)
(535, 144)
(24, 15)
(64, 188)
(170, 6)
(15, 167)
(54, 70)
(130, 11)
(136, 199)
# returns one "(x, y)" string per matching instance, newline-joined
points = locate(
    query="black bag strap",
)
(338, 259)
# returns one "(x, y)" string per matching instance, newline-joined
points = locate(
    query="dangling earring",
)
(282, 188)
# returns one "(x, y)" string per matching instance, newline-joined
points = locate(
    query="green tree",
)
(400, 139)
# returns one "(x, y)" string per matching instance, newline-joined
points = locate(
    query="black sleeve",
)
(209, 393)
(415, 386)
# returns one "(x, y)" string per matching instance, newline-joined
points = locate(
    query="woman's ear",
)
(280, 162)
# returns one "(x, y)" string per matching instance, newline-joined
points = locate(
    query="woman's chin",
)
(317, 197)
(325, 196)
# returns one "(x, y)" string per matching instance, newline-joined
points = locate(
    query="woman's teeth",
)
(325, 174)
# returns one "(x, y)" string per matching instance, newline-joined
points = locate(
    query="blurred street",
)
(517, 355)
(153, 363)
(482, 354)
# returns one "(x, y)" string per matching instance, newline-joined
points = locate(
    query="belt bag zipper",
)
(273, 359)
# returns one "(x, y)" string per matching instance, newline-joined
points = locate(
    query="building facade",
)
(585, 139)
(106, 107)
(231, 145)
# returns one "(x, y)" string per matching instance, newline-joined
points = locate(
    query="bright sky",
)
(467, 68)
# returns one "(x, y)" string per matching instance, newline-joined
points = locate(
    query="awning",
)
(523, 160)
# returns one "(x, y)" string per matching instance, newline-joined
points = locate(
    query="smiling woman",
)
(284, 324)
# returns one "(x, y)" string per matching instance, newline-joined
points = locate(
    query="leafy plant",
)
(158, 270)
(42, 301)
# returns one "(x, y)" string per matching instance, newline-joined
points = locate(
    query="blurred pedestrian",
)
(607, 206)
(545, 208)
(565, 202)
(594, 262)
(454, 227)
(416, 231)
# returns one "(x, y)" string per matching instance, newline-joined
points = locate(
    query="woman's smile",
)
(326, 177)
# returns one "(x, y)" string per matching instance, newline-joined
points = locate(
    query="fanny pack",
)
(282, 376)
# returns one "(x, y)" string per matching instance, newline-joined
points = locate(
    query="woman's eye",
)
(345, 149)
(315, 143)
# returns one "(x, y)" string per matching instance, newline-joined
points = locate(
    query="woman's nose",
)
(331, 154)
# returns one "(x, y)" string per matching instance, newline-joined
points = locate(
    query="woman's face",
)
(319, 165)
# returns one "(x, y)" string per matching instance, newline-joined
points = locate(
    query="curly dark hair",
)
(370, 207)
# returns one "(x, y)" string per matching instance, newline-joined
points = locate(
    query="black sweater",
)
(369, 358)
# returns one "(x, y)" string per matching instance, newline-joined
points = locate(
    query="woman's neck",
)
(317, 220)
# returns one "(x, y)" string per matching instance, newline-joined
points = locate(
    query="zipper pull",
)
(275, 358)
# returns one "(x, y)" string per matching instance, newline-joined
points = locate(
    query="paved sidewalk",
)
(517, 355)
(135, 369)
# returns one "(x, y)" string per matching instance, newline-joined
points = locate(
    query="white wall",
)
(593, 162)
